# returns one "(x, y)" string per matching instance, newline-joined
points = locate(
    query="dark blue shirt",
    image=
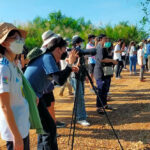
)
(38, 73)
(148, 48)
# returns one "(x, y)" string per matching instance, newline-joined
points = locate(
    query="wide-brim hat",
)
(47, 37)
(6, 28)
(141, 44)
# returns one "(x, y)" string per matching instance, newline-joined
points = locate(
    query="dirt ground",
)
(131, 118)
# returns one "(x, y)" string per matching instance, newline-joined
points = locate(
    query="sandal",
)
(100, 111)
(108, 107)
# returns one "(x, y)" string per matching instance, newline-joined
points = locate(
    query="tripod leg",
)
(73, 121)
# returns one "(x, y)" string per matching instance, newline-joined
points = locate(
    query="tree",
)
(145, 6)
(68, 26)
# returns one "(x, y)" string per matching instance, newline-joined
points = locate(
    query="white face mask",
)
(17, 46)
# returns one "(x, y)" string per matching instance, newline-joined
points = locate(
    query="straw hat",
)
(5, 29)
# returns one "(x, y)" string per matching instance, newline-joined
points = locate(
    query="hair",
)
(101, 36)
(11, 33)
(122, 42)
(56, 42)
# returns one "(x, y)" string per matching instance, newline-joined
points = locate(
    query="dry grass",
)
(131, 119)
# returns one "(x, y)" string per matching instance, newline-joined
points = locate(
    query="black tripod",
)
(73, 121)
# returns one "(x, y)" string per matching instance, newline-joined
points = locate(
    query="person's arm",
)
(107, 60)
(119, 51)
(60, 77)
(8, 113)
(141, 61)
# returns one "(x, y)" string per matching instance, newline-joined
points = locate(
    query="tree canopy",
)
(68, 26)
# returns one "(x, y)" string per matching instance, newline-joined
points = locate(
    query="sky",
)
(100, 12)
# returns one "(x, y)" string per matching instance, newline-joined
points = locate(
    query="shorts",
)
(48, 98)
(91, 68)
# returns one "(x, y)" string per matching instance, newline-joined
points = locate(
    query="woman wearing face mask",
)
(91, 59)
(14, 111)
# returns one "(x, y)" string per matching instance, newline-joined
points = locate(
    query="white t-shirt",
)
(139, 54)
(125, 52)
(11, 81)
(131, 51)
(91, 59)
(63, 64)
(117, 55)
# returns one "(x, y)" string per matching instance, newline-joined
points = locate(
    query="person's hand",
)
(72, 56)
(75, 69)
(18, 143)
(37, 100)
(115, 62)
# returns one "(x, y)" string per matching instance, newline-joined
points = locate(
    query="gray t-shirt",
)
(98, 66)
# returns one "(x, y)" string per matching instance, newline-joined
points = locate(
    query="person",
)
(132, 56)
(119, 48)
(102, 81)
(40, 73)
(80, 77)
(141, 61)
(63, 64)
(124, 57)
(14, 109)
(91, 59)
(148, 53)
(108, 53)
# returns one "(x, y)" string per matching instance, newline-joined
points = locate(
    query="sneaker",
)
(142, 80)
(119, 77)
(125, 69)
(60, 124)
(83, 122)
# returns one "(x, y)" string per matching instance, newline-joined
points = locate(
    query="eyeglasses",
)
(15, 36)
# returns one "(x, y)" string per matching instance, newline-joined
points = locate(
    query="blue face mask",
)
(107, 45)
(93, 41)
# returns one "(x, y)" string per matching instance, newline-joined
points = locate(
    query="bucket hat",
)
(48, 36)
(6, 28)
